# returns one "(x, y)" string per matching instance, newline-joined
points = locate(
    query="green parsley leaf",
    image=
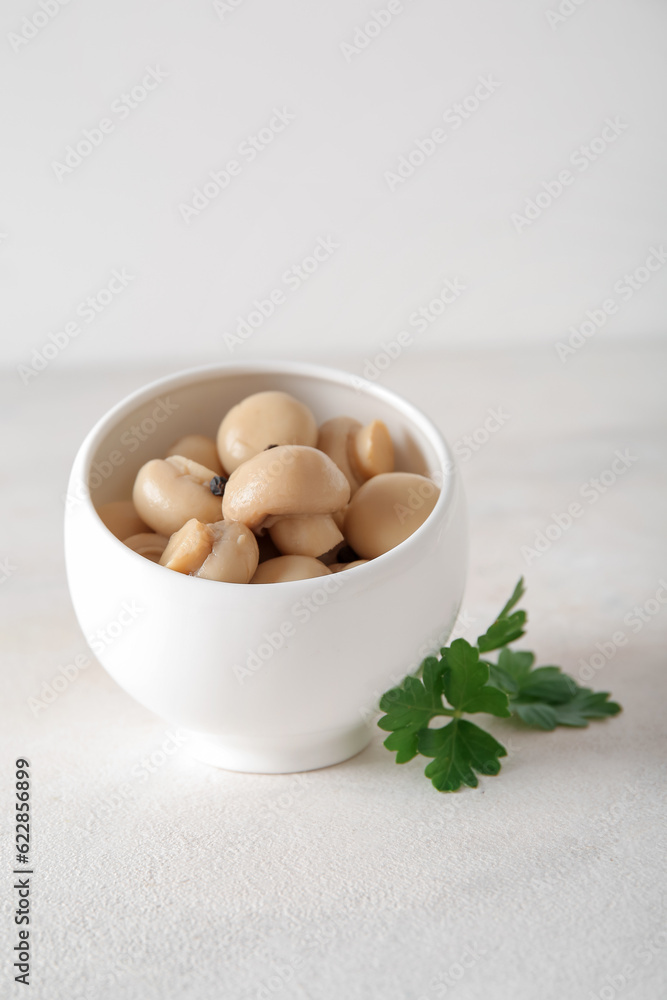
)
(548, 684)
(513, 674)
(465, 681)
(510, 669)
(506, 627)
(536, 714)
(412, 705)
(583, 706)
(546, 697)
(459, 749)
(543, 697)
(502, 632)
(404, 742)
(517, 594)
(586, 704)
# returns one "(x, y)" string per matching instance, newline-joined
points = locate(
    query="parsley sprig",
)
(460, 683)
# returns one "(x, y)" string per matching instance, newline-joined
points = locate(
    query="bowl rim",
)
(447, 472)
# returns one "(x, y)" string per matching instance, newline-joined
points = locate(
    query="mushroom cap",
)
(333, 439)
(169, 491)
(371, 450)
(312, 535)
(386, 510)
(261, 420)
(285, 568)
(283, 482)
(198, 448)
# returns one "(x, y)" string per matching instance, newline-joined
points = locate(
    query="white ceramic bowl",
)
(274, 677)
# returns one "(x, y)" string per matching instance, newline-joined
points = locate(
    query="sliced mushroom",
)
(306, 536)
(169, 491)
(359, 452)
(283, 482)
(386, 510)
(234, 555)
(286, 568)
(198, 448)
(333, 439)
(225, 551)
(188, 547)
(262, 420)
(371, 450)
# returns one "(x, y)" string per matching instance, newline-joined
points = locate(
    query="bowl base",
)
(280, 754)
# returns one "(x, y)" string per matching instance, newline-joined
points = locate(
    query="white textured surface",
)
(360, 880)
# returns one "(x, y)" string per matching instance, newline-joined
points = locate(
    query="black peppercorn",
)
(217, 485)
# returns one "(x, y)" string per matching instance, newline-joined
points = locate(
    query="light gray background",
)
(558, 82)
(360, 880)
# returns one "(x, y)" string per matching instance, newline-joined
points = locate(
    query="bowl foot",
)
(280, 754)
